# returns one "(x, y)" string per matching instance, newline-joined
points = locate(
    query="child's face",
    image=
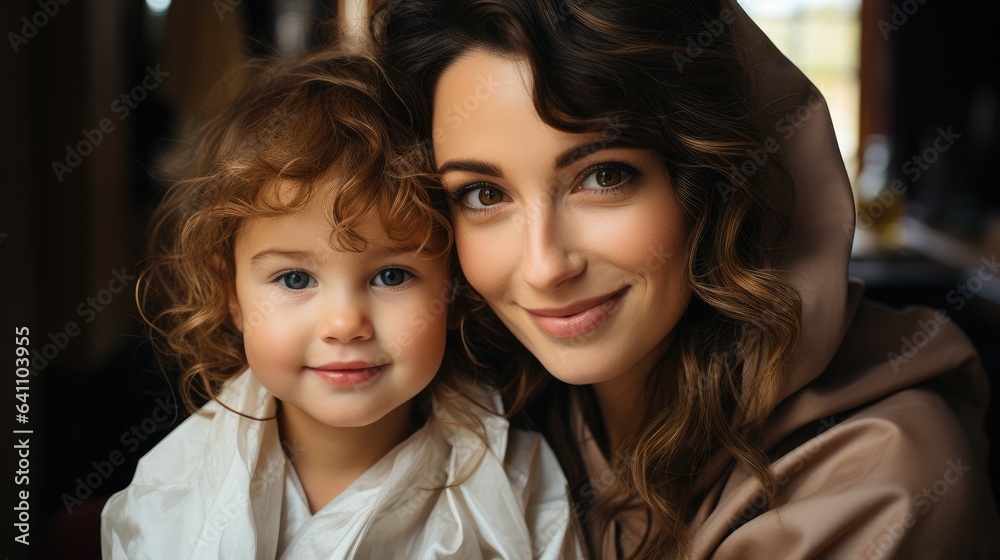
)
(345, 337)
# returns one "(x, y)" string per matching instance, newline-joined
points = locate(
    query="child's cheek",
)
(274, 342)
(426, 325)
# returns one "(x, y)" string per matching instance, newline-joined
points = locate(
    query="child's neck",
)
(328, 459)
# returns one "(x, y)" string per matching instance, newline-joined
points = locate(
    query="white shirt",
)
(220, 486)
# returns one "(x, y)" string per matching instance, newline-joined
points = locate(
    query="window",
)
(822, 38)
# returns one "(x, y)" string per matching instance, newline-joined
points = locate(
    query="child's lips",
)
(347, 374)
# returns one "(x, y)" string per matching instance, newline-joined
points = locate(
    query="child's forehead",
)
(305, 215)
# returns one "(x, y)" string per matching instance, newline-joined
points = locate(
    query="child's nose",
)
(346, 322)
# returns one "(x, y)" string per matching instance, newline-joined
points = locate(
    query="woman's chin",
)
(579, 369)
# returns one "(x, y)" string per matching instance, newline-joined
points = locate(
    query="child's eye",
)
(295, 280)
(392, 277)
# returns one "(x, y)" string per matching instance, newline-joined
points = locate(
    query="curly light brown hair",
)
(295, 128)
(630, 62)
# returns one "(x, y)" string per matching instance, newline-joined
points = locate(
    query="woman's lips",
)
(348, 374)
(577, 319)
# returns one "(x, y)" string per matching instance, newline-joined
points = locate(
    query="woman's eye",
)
(296, 280)
(608, 176)
(482, 197)
(391, 277)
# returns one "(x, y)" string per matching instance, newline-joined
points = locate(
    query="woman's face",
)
(575, 240)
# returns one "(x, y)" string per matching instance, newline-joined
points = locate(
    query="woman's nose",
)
(345, 321)
(549, 259)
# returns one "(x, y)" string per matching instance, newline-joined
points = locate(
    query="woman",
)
(649, 199)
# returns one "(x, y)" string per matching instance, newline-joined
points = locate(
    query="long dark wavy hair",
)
(670, 74)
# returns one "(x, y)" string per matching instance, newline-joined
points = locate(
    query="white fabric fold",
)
(220, 486)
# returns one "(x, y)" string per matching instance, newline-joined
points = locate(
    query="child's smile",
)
(349, 373)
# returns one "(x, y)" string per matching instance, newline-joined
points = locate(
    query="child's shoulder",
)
(158, 507)
(178, 482)
(207, 437)
(179, 455)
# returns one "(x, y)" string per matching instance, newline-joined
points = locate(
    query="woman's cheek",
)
(487, 258)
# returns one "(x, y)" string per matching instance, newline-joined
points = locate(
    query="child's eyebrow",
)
(375, 252)
(275, 253)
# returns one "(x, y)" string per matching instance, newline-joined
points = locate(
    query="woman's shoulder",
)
(883, 455)
(897, 478)
(907, 376)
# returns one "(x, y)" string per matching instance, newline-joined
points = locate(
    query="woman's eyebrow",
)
(563, 160)
(472, 166)
(598, 144)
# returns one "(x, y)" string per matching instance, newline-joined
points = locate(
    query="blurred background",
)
(96, 90)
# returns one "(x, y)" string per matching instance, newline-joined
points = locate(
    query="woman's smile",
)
(576, 319)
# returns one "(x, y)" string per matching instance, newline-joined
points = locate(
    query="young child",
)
(304, 243)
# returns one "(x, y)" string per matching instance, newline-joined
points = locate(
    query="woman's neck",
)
(329, 459)
(620, 402)
(621, 399)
